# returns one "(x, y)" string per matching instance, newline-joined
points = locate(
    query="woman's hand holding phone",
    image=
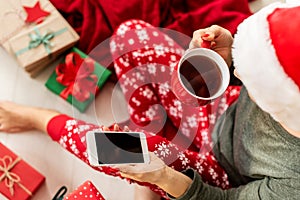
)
(150, 172)
(145, 172)
(156, 172)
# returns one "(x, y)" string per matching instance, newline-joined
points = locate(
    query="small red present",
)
(85, 191)
(18, 180)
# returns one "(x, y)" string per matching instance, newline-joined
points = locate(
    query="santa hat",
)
(266, 53)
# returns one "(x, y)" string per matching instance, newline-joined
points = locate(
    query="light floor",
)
(59, 167)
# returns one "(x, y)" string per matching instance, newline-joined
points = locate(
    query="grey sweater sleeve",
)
(264, 189)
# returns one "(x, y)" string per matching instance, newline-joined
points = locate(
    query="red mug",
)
(200, 76)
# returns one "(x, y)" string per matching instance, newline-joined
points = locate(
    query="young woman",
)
(256, 141)
(144, 59)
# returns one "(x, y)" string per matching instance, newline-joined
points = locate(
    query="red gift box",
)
(18, 180)
(85, 191)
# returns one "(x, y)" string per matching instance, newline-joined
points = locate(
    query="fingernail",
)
(205, 35)
(126, 128)
(205, 44)
(105, 128)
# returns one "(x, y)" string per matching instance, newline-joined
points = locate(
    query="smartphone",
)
(109, 148)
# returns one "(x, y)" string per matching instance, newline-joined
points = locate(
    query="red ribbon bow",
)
(77, 75)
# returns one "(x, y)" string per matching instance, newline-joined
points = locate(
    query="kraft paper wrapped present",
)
(18, 180)
(78, 79)
(85, 191)
(41, 43)
(34, 44)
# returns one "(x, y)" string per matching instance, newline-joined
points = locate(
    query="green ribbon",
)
(37, 39)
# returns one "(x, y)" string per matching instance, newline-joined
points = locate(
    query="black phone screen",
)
(114, 148)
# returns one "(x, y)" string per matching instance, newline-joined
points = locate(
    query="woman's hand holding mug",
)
(215, 38)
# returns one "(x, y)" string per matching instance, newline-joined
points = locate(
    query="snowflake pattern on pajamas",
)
(144, 59)
(159, 54)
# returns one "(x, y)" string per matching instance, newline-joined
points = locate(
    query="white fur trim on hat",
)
(257, 65)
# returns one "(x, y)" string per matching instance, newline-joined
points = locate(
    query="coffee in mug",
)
(200, 76)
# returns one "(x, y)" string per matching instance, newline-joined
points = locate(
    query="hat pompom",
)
(265, 51)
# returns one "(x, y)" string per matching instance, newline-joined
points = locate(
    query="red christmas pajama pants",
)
(144, 58)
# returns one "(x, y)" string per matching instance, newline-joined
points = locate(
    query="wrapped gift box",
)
(30, 49)
(85, 191)
(78, 79)
(34, 45)
(18, 180)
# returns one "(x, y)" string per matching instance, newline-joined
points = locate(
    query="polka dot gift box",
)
(85, 191)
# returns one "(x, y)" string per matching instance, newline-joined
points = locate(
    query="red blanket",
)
(95, 20)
